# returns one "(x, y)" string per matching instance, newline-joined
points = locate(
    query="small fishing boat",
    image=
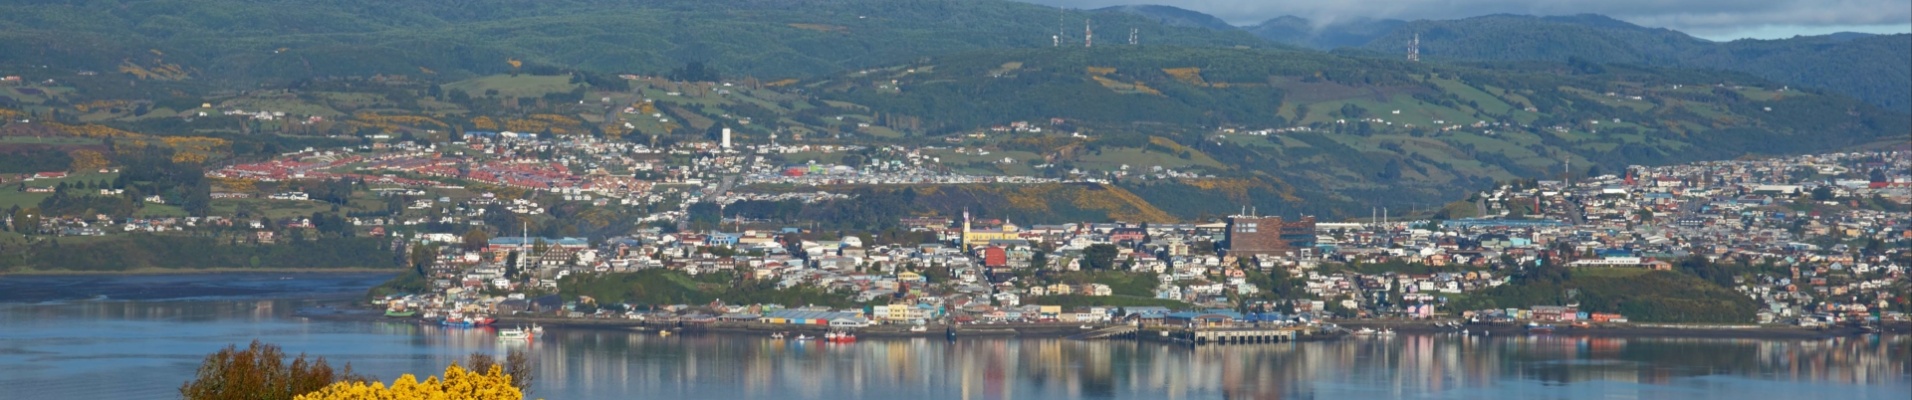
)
(455, 320)
(834, 337)
(1534, 327)
(513, 334)
(802, 338)
(400, 313)
(919, 328)
(777, 336)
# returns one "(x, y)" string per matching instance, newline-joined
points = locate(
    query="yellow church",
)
(974, 237)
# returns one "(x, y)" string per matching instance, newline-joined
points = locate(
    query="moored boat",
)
(513, 334)
(834, 337)
(1533, 327)
(400, 313)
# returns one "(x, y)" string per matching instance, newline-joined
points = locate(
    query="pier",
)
(1197, 336)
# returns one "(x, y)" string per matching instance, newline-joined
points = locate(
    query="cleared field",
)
(515, 86)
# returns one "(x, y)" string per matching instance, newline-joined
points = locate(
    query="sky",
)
(1709, 19)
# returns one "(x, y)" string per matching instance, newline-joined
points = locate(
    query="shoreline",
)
(1633, 331)
(197, 271)
(1054, 331)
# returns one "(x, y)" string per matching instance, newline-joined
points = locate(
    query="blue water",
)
(117, 349)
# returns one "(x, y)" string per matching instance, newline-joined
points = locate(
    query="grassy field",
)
(518, 86)
(1488, 103)
(291, 105)
(10, 197)
(1139, 161)
(51, 140)
(270, 208)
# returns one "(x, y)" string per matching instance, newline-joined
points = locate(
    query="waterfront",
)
(146, 348)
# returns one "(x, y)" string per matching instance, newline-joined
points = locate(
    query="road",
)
(723, 186)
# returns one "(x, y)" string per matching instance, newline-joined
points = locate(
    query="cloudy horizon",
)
(1709, 19)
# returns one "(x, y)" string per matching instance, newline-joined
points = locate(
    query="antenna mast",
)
(1060, 23)
(1414, 49)
(1088, 35)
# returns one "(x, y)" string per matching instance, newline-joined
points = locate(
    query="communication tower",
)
(1088, 35)
(1414, 49)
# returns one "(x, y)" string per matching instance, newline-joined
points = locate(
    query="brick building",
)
(1252, 235)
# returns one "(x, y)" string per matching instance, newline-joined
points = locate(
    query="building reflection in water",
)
(595, 362)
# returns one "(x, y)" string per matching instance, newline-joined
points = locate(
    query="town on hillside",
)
(1808, 241)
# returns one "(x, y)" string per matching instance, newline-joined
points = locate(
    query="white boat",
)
(778, 336)
(1364, 332)
(1386, 332)
(537, 330)
(513, 334)
(801, 337)
(919, 328)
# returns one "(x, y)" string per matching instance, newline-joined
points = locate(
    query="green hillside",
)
(1379, 131)
(237, 40)
(1875, 68)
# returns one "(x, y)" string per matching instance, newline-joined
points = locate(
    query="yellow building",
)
(978, 237)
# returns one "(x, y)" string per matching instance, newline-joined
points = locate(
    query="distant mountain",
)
(1875, 68)
(1172, 16)
(241, 40)
(1299, 31)
(1845, 36)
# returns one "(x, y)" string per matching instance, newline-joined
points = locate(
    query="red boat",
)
(844, 337)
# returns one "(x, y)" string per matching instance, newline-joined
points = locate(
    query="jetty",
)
(1198, 336)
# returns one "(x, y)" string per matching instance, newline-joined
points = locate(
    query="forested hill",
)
(1171, 16)
(1361, 129)
(239, 40)
(1875, 68)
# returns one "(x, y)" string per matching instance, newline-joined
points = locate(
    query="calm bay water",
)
(56, 347)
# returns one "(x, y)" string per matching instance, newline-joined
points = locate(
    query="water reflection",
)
(1408, 366)
(145, 349)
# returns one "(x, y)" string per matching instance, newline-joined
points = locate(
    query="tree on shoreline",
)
(260, 372)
